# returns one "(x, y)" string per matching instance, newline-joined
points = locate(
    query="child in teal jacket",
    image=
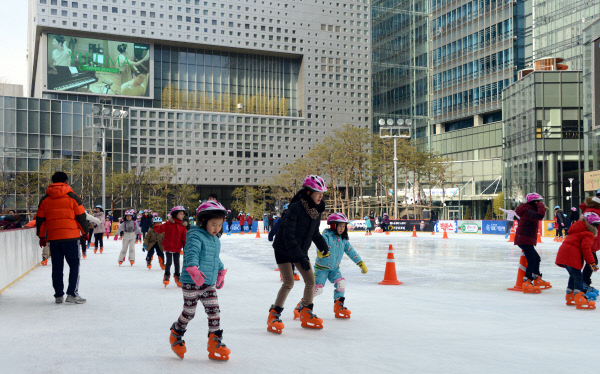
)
(328, 267)
(203, 274)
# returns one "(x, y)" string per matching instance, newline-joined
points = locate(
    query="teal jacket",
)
(337, 248)
(202, 250)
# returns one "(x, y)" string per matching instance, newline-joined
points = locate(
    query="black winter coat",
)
(146, 223)
(297, 232)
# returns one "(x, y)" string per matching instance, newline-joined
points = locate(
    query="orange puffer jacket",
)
(175, 234)
(60, 215)
(577, 246)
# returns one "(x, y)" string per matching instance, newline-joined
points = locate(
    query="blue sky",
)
(13, 42)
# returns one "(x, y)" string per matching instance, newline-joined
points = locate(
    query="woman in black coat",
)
(299, 229)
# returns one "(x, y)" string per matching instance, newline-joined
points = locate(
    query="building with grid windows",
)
(226, 91)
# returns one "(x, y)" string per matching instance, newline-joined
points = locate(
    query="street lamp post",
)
(105, 118)
(403, 130)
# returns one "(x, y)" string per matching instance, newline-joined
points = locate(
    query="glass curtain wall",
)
(400, 62)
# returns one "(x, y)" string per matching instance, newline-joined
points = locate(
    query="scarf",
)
(311, 211)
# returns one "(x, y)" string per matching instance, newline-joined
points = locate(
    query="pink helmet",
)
(592, 218)
(534, 196)
(315, 183)
(337, 218)
(155, 214)
(130, 212)
(574, 209)
(210, 206)
(177, 209)
(145, 210)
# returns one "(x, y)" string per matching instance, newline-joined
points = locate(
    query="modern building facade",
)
(227, 92)
(591, 97)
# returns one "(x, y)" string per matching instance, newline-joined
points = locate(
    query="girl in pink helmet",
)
(531, 213)
(328, 267)
(299, 229)
(175, 236)
(129, 229)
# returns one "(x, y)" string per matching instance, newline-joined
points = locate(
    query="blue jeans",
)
(575, 279)
(62, 251)
(533, 261)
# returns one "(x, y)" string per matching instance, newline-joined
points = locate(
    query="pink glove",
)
(197, 276)
(221, 279)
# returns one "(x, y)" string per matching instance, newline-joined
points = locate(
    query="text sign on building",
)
(591, 180)
(98, 66)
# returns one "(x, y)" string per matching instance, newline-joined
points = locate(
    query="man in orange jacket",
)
(61, 221)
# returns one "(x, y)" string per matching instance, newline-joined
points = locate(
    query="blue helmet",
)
(100, 206)
(141, 212)
(557, 207)
(285, 207)
(157, 220)
(598, 192)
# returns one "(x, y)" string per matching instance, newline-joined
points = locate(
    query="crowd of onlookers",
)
(10, 220)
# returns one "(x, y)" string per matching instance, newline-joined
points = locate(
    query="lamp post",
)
(105, 118)
(402, 129)
(458, 185)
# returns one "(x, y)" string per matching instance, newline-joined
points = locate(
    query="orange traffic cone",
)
(445, 235)
(513, 230)
(539, 235)
(520, 274)
(390, 276)
(258, 234)
(414, 235)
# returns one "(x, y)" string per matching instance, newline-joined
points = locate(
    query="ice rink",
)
(453, 314)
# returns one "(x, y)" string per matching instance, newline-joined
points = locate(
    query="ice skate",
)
(216, 349)
(166, 280)
(120, 263)
(529, 287)
(298, 309)
(149, 265)
(581, 302)
(570, 297)
(308, 319)
(274, 323)
(161, 263)
(177, 344)
(84, 254)
(95, 250)
(296, 276)
(132, 262)
(542, 284)
(44, 261)
(590, 292)
(177, 282)
(339, 310)
(101, 250)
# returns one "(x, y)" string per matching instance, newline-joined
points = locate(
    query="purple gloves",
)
(221, 279)
(197, 276)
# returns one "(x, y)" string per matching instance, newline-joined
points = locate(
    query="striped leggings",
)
(207, 294)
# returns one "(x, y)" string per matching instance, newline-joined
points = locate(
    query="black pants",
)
(144, 234)
(172, 258)
(98, 239)
(83, 245)
(229, 225)
(90, 235)
(559, 232)
(383, 227)
(159, 253)
(587, 271)
(62, 251)
(533, 261)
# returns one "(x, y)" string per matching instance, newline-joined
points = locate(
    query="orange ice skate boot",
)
(529, 287)
(581, 302)
(298, 309)
(177, 282)
(101, 250)
(120, 263)
(177, 344)
(95, 250)
(132, 262)
(570, 297)
(339, 310)
(166, 280)
(44, 261)
(216, 349)
(296, 277)
(308, 319)
(274, 323)
(542, 284)
(161, 263)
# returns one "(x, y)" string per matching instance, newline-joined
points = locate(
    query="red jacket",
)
(531, 215)
(242, 219)
(175, 234)
(250, 219)
(592, 204)
(60, 215)
(577, 246)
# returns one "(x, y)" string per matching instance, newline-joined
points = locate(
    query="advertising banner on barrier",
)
(548, 228)
(494, 227)
(235, 227)
(469, 227)
(450, 226)
(395, 225)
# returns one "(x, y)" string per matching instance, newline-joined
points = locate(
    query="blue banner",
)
(494, 227)
(235, 227)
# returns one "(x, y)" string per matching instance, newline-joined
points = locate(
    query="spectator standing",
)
(61, 220)
(433, 220)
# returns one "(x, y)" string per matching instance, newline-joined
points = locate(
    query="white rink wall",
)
(19, 253)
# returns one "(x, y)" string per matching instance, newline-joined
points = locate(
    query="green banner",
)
(100, 69)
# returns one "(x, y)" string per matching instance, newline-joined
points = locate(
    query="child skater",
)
(531, 213)
(575, 248)
(368, 225)
(130, 230)
(153, 241)
(299, 228)
(328, 267)
(203, 274)
(99, 229)
(107, 225)
(173, 242)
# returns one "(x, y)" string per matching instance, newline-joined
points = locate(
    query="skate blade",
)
(342, 316)
(213, 356)
(590, 307)
(274, 330)
(312, 326)
(177, 354)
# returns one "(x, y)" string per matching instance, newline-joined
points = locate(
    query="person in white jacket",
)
(130, 229)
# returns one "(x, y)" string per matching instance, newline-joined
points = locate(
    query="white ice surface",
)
(453, 314)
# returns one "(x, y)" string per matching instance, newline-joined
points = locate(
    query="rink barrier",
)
(19, 255)
(520, 274)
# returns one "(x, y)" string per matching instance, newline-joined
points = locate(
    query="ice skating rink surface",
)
(453, 314)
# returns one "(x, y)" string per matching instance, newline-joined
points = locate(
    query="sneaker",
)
(58, 300)
(75, 299)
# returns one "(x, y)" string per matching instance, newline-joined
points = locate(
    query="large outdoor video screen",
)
(98, 66)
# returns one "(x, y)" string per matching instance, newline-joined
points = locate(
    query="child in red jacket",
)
(571, 253)
(175, 234)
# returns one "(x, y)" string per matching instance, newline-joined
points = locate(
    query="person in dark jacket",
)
(559, 223)
(275, 228)
(433, 220)
(61, 220)
(146, 223)
(9, 222)
(299, 229)
(531, 213)
(229, 219)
